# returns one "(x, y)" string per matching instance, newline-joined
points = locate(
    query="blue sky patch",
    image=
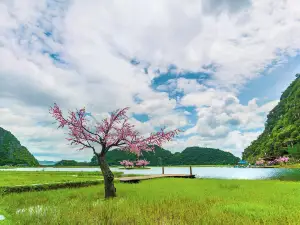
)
(141, 117)
(270, 85)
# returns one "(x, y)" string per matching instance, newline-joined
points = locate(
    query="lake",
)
(200, 172)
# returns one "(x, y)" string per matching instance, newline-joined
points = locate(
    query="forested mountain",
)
(204, 156)
(282, 129)
(71, 163)
(47, 163)
(12, 152)
(189, 156)
(66, 163)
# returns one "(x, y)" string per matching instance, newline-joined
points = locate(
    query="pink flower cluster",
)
(114, 131)
(260, 162)
(142, 163)
(126, 163)
(279, 161)
(282, 159)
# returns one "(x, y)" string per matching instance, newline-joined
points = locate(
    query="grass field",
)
(161, 201)
(22, 178)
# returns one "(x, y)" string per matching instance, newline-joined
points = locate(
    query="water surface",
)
(200, 172)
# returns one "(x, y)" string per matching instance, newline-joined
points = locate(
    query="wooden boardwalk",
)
(138, 179)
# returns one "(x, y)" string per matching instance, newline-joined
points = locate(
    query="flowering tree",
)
(271, 163)
(260, 162)
(282, 159)
(126, 163)
(279, 160)
(114, 131)
(142, 163)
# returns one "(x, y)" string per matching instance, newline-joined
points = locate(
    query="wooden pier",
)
(147, 177)
(138, 179)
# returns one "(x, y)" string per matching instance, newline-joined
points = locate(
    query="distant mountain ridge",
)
(12, 152)
(189, 156)
(47, 163)
(71, 163)
(282, 128)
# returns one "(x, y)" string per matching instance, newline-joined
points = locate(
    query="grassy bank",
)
(296, 166)
(8, 178)
(201, 166)
(165, 201)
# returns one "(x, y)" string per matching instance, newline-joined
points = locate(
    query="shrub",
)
(44, 187)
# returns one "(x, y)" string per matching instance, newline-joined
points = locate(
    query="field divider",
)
(49, 186)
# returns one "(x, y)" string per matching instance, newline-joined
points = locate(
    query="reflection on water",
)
(200, 172)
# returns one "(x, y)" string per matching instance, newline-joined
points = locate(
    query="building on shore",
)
(242, 164)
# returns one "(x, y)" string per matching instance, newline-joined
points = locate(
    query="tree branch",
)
(88, 132)
(97, 154)
(87, 146)
(89, 143)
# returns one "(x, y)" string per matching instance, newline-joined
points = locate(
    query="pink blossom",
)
(279, 161)
(260, 162)
(142, 163)
(126, 163)
(282, 159)
(115, 131)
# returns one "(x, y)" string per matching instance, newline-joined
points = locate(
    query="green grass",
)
(296, 165)
(200, 166)
(6, 167)
(161, 201)
(8, 178)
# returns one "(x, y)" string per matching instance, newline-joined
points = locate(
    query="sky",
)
(213, 68)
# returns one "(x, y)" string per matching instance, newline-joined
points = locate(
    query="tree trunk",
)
(110, 190)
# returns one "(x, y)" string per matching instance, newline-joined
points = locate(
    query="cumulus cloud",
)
(235, 142)
(219, 6)
(77, 53)
(170, 32)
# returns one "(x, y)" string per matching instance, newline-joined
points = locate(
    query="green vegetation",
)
(66, 163)
(189, 156)
(12, 152)
(48, 186)
(204, 156)
(282, 129)
(294, 151)
(71, 163)
(7, 167)
(24, 178)
(162, 201)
